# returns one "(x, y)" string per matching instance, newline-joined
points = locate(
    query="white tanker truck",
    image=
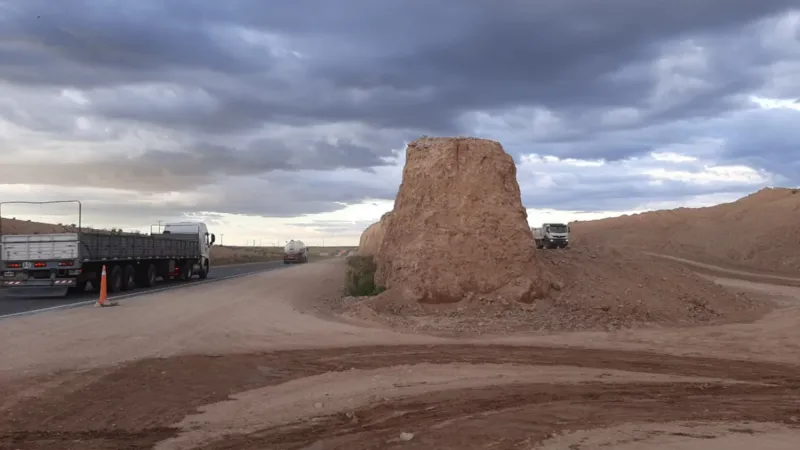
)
(295, 252)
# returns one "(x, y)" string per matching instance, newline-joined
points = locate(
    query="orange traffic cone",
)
(104, 291)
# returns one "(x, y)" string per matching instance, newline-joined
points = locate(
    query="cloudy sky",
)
(288, 119)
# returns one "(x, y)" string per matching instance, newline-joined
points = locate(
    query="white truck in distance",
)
(551, 235)
(295, 252)
(67, 262)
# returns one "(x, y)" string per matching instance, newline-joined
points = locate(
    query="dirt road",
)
(247, 364)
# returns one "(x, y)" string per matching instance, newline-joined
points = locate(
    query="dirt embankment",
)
(758, 232)
(372, 237)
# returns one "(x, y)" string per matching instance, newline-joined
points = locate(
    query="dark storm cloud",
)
(165, 171)
(420, 62)
(217, 73)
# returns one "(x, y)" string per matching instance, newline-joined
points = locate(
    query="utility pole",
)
(221, 239)
(159, 226)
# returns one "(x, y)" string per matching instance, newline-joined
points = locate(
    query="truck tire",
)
(129, 278)
(79, 288)
(204, 270)
(148, 277)
(186, 271)
(115, 280)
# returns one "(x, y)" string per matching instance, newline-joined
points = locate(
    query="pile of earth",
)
(601, 289)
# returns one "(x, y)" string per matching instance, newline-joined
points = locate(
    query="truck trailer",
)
(70, 261)
(551, 235)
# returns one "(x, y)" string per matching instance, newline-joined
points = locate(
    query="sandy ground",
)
(681, 436)
(254, 363)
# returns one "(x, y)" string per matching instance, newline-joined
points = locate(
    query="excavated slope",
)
(759, 232)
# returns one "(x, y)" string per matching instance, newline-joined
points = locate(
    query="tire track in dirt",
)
(724, 272)
(513, 417)
(138, 404)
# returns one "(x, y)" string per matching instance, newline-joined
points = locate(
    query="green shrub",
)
(360, 277)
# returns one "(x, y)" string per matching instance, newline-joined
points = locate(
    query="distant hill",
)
(760, 231)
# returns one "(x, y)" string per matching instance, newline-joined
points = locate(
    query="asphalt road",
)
(29, 301)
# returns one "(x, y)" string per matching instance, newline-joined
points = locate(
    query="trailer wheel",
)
(129, 280)
(147, 278)
(115, 280)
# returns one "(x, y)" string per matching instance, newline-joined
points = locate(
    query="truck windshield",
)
(558, 228)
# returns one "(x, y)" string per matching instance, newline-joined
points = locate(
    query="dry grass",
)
(360, 277)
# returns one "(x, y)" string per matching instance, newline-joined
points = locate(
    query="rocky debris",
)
(758, 232)
(458, 228)
(405, 437)
(598, 289)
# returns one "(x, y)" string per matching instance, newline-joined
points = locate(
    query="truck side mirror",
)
(213, 239)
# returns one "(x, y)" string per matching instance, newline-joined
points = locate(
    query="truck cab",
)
(197, 230)
(551, 235)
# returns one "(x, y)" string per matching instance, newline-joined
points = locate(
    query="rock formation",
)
(372, 237)
(458, 227)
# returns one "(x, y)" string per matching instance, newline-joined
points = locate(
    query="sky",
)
(276, 120)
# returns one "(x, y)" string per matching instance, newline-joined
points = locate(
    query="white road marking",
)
(131, 295)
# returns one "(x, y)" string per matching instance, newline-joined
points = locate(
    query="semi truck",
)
(295, 252)
(70, 261)
(551, 235)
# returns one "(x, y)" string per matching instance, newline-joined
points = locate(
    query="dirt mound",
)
(608, 288)
(602, 289)
(372, 237)
(458, 227)
(757, 232)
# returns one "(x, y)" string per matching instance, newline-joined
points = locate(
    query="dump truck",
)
(70, 261)
(551, 235)
(295, 252)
